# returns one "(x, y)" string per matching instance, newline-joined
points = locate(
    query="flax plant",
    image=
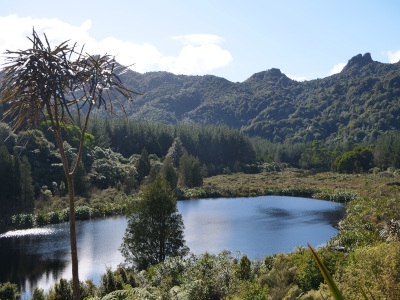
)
(51, 84)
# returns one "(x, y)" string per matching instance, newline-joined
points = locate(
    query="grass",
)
(378, 186)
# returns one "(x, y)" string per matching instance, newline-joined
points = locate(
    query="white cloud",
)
(337, 68)
(18, 29)
(198, 39)
(297, 78)
(197, 60)
(394, 57)
(145, 57)
(200, 53)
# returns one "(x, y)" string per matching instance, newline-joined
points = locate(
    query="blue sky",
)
(231, 39)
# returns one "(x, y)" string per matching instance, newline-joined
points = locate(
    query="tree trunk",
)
(72, 236)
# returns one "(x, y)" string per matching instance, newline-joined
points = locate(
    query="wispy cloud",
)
(198, 39)
(310, 76)
(297, 78)
(337, 68)
(200, 53)
(393, 57)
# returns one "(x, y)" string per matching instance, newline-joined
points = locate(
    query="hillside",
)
(359, 103)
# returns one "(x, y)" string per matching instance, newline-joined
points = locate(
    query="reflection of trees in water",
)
(20, 266)
(332, 216)
(275, 216)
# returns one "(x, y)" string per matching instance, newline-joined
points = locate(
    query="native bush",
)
(22, 221)
(110, 282)
(244, 270)
(9, 291)
(54, 217)
(82, 213)
(64, 215)
(38, 294)
(62, 290)
(337, 195)
(41, 219)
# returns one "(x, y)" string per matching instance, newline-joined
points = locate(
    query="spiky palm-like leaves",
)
(45, 83)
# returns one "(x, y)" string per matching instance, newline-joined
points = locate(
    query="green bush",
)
(338, 195)
(41, 219)
(64, 215)
(252, 291)
(9, 291)
(82, 213)
(244, 270)
(38, 294)
(62, 290)
(22, 221)
(110, 282)
(54, 218)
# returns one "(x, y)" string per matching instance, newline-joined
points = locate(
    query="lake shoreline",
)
(251, 226)
(83, 213)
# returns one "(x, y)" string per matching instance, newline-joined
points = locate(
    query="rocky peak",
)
(271, 75)
(358, 61)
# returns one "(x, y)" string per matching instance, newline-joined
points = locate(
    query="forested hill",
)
(358, 103)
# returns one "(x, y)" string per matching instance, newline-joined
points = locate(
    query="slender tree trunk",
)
(72, 230)
(72, 236)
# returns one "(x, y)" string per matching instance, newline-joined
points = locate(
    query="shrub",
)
(54, 218)
(252, 291)
(338, 195)
(62, 291)
(9, 291)
(22, 221)
(82, 213)
(244, 270)
(110, 282)
(64, 215)
(38, 294)
(376, 269)
(41, 219)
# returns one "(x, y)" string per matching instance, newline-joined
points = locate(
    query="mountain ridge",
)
(359, 103)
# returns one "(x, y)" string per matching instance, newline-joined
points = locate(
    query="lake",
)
(256, 226)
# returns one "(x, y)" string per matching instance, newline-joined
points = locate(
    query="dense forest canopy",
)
(358, 104)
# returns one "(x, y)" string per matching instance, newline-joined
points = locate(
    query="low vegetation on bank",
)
(364, 253)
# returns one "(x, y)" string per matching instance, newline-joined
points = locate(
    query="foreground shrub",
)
(377, 269)
(281, 278)
(62, 290)
(9, 291)
(110, 282)
(38, 294)
(252, 291)
(308, 276)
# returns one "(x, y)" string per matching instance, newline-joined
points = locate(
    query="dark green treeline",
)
(215, 146)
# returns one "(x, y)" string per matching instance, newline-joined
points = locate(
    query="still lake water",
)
(255, 226)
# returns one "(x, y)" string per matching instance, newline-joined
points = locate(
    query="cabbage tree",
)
(60, 86)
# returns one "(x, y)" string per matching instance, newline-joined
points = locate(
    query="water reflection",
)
(30, 260)
(255, 226)
(258, 226)
(41, 259)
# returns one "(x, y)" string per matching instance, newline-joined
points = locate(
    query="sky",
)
(305, 39)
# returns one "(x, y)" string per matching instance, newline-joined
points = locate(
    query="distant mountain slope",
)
(360, 102)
